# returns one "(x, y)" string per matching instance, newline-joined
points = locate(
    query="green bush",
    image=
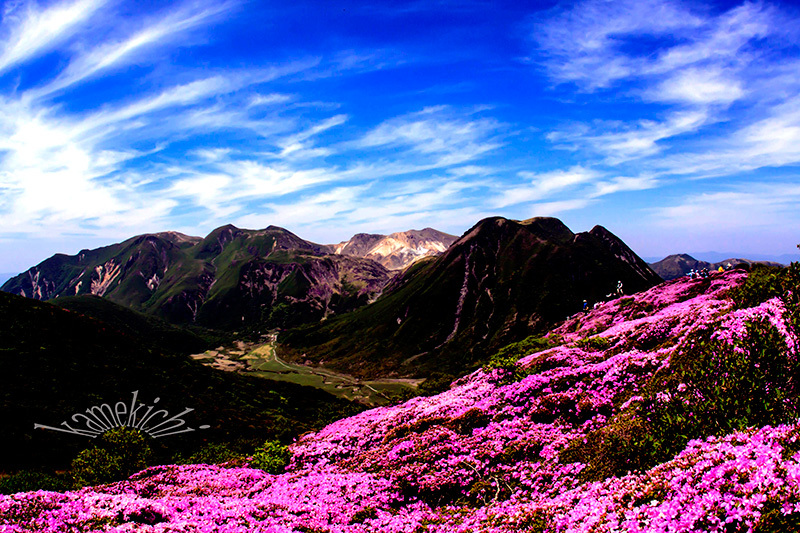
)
(594, 343)
(94, 466)
(212, 454)
(119, 453)
(506, 358)
(29, 480)
(765, 282)
(710, 388)
(271, 457)
(762, 283)
(716, 388)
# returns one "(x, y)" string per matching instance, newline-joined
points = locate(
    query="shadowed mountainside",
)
(55, 362)
(231, 279)
(500, 282)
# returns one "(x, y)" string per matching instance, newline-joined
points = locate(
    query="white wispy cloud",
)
(623, 183)
(29, 31)
(117, 53)
(596, 43)
(297, 145)
(448, 138)
(549, 209)
(583, 44)
(703, 68)
(699, 86)
(543, 185)
(619, 142)
(744, 207)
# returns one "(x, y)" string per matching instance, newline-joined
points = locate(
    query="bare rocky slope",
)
(397, 251)
(231, 279)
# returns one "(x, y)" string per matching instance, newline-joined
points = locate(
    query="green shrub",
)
(94, 466)
(762, 283)
(716, 388)
(29, 480)
(119, 453)
(711, 388)
(271, 457)
(625, 302)
(212, 454)
(506, 358)
(594, 343)
(765, 282)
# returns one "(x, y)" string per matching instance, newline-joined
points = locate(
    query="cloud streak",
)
(118, 53)
(30, 32)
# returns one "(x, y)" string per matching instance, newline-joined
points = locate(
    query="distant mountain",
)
(231, 279)
(717, 257)
(501, 281)
(677, 265)
(5, 276)
(55, 363)
(398, 250)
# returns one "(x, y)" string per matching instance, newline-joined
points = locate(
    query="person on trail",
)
(619, 288)
(585, 307)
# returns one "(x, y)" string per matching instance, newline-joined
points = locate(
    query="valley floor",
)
(260, 359)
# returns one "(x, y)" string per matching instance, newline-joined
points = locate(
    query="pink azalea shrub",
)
(549, 450)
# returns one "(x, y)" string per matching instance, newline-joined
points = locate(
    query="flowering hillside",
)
(671, 410)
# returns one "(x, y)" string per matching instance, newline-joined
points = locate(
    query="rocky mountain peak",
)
(398, 250)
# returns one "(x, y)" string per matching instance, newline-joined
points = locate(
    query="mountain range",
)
(233, 278)
(677, 265)
(502, 281)
(454, 302)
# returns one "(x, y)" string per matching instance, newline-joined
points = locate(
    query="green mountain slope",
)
(55, 363)
(233, 278)
(500, 282)
(149, 330)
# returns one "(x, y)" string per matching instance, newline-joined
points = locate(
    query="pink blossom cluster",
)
(484, 455)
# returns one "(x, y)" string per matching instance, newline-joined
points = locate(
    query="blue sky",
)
(675, 125)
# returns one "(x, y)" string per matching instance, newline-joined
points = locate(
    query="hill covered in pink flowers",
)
(675, 409)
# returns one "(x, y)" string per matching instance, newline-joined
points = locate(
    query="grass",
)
(263, 362)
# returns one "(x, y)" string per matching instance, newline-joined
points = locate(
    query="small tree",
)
(271, 457)
(119, 453)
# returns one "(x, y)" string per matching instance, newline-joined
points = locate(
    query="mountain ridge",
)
(188, 279)
(677, 265)
(501, 281)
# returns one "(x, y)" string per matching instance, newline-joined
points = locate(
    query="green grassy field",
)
(261, 360)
